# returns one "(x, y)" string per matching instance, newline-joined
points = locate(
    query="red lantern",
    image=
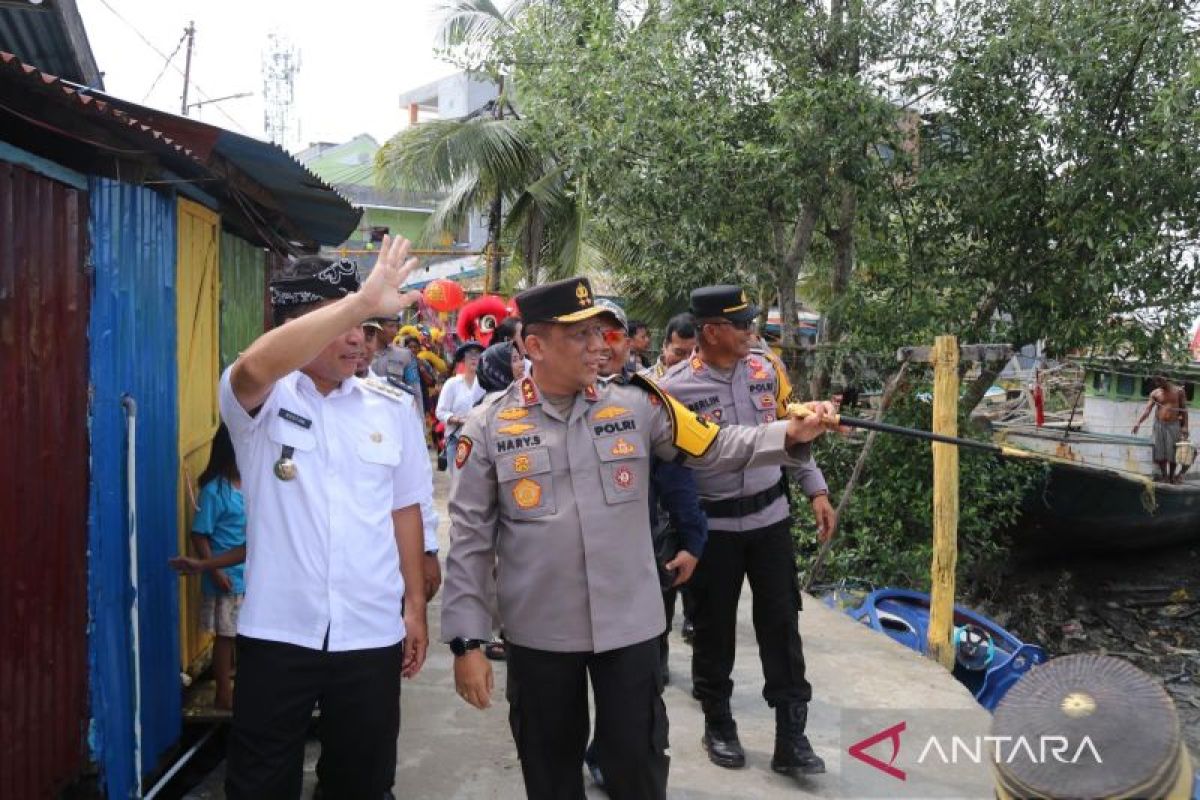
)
(444, 295)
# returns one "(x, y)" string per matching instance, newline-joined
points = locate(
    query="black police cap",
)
(726, 301)
(562, 302)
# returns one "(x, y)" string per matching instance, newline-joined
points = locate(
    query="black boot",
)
(793, 753)
(720, 736)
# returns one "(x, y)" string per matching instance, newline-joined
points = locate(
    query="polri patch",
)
(623, 477)
(527, 494)
(623, 448)
(463, 451)
(295, 419)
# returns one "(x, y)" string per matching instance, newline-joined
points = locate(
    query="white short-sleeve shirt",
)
(320, 549)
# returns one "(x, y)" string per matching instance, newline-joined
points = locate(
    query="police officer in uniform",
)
(551, 492)
(749, 520)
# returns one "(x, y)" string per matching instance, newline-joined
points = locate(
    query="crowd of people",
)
(591, 482)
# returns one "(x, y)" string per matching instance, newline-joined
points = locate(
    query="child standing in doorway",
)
(219, 541)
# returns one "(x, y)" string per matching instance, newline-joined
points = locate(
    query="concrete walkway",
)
(863, 683)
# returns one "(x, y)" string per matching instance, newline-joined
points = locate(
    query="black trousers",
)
(548, 713)
(277, 687)
(767, 557)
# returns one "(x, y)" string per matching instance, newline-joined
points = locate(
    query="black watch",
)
(459, 646)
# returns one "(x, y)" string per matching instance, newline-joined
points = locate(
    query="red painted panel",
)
(44, 303)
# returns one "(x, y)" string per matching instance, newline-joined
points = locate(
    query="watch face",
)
(458, 646)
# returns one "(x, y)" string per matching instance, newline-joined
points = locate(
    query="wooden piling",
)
(945, 501)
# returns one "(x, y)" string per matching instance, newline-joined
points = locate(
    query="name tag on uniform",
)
(295, 419)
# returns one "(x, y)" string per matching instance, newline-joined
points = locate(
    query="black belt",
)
(744, 506)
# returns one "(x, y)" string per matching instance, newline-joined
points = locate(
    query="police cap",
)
(563, 302)
(727, 301)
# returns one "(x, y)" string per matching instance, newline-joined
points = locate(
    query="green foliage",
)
(886, 534)
(1020, 171)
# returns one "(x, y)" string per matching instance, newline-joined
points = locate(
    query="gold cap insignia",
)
(585, 297)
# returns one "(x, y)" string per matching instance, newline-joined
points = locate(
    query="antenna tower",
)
(281, 62)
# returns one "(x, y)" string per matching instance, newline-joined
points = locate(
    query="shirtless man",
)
(1170, 425)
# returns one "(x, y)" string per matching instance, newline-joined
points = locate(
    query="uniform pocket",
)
(286, 433)
(526, 483)
(384, 453)
(624, 467)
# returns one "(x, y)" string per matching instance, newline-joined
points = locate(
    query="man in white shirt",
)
(335, 597)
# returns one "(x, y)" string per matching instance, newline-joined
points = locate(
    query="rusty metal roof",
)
(312, 206)
(50, 33)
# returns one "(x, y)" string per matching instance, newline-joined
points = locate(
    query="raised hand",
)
(381, 290)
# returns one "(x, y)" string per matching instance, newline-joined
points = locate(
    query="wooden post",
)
(945, 501)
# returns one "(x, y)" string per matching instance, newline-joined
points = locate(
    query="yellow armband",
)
(690, 434)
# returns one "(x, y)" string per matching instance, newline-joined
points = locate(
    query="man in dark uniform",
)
(749, 521)
(550, 491)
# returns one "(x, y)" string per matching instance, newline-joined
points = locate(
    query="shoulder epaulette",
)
(393, 390)
(692, 435)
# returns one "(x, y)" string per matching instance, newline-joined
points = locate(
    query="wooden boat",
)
(1101, 490)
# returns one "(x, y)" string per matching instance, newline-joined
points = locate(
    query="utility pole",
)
(187, 67)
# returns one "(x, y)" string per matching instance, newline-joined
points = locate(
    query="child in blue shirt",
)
(219, 540)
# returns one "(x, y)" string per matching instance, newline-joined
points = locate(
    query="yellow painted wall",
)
(198, 291)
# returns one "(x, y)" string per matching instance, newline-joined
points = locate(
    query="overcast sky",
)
(356, 58)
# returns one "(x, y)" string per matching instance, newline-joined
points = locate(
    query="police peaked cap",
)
(562, 302)
(725, 300)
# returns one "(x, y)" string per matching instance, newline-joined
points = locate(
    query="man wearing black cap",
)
(749, 522)
(334, 469)
(552, 493)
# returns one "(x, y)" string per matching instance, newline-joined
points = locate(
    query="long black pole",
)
(870, 424)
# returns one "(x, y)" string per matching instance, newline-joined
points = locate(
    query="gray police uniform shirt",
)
(557, 504)
(748, 395)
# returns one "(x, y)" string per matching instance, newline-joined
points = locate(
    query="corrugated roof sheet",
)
(50, 34)
(311, 205)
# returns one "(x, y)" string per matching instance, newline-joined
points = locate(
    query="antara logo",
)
(976, 750)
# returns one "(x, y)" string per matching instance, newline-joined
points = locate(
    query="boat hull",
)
(1083, 508)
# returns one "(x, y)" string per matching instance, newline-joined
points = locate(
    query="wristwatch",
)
(459, 646)
(431, 552)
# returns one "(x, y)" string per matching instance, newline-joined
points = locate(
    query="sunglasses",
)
(613, 336)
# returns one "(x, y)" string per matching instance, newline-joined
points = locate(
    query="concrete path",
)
(863, 683)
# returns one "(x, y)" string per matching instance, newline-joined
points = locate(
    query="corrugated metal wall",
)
(243, 286)
(44, 296)
(133, 350)
(198, 293)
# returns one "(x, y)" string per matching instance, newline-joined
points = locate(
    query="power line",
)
(166, 64)
(167, 58)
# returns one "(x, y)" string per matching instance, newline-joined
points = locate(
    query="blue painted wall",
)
(132, 339)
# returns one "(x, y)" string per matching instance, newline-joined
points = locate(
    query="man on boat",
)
(1169, 402)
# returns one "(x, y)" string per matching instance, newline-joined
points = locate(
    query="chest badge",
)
(527, 494)
(285, 468)
(623, 448)
(767, 401)
(759, 375)
(516, 429)
(513, 414)
(610, 412)
(623, 477)
(521, 464)
(376, 437)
